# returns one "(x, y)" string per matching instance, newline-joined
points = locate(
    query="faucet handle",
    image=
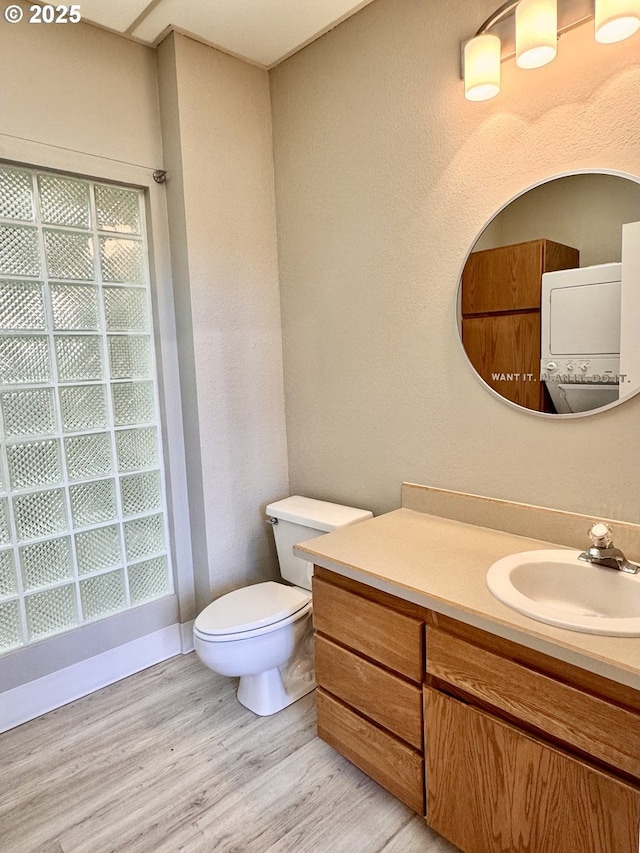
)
(601, 535)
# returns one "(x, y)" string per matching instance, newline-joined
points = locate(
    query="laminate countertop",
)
(442, 564)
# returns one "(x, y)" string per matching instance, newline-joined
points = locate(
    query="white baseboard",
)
(34, 698)
(186, 637)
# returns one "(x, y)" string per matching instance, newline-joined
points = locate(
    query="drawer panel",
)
(395, 640)
(602, 730)
(384, 698)
(393, 764)
(492, 788)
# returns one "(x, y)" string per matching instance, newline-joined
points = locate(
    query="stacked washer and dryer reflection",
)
(590, 317)
(580, 346)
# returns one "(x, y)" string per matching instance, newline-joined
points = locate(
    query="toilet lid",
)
(251, 607)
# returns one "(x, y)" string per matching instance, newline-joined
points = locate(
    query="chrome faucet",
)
(603, 553)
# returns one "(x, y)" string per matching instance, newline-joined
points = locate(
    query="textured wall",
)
(216, 120)
(584, 211)
(384, 177)
(80, 88)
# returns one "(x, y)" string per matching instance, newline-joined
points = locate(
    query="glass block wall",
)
(83, 530)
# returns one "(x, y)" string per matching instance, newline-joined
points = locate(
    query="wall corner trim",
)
(186, 637)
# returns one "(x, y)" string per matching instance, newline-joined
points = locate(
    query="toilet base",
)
(266, 693)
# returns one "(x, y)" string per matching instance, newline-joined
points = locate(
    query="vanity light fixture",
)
(536, 32)
(533, 40)
(482, 67)
(616, 20)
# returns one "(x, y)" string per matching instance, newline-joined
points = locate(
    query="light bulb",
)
(482, 68)
(536, 32)
(616, 20)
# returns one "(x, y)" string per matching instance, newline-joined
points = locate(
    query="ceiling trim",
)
(187, 34)
(105, 29)
(145, 12)
(128, 34)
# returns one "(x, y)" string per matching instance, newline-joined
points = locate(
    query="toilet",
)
(263, 633)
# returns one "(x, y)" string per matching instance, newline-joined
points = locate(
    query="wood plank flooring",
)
(168, 760)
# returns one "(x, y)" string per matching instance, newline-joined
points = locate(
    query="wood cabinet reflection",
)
(500, 304)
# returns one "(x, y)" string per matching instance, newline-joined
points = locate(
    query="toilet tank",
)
(298, 519)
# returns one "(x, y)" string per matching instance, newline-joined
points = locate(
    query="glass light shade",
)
(616, 20)
(482, 68)
(536, 32)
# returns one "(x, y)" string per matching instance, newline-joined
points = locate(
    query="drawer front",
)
(393, 764)
(602, 730)
(384, 698)
(395, 640)
(492, 788)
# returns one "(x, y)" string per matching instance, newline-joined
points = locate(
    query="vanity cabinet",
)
(369, 671)
(500, 305)
(524, 752)
(502, 748)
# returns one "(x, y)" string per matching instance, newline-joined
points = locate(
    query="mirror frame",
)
(555, 416)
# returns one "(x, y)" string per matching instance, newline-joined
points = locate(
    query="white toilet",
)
(263, 633)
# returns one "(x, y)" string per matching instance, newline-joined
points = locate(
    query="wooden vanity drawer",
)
(396, 766)
(393, 639)
(599, 728)
(384, 698)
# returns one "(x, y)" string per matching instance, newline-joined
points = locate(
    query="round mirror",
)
(549, 296)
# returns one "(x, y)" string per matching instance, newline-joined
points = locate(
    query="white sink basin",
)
(558, 588)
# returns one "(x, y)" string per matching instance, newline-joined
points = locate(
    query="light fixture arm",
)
(501, 12)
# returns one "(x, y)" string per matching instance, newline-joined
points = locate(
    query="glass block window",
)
(16, 194)
(83, 520)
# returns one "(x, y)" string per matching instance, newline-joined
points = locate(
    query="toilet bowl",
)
(263, 633)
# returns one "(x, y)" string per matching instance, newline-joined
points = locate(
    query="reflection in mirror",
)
(549, 300)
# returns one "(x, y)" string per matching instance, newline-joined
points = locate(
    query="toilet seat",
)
(252, 610)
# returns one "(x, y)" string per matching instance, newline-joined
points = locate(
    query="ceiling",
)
(263, 32)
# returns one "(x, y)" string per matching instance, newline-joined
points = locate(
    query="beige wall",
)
(584, 211)
(385, 175)
(79, 88)
(216, 120)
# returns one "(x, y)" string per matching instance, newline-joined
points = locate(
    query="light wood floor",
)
(168, 760)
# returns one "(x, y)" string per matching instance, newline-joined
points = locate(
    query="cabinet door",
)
(508, 278)
(505, 351)
(491, 789)
(503, 279)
